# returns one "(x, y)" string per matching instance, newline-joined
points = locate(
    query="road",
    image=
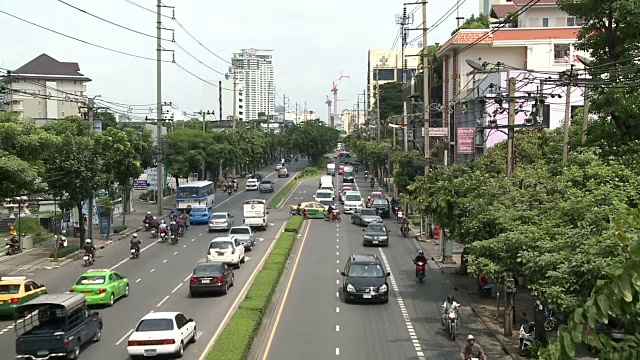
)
(159, 279)
(312, 322)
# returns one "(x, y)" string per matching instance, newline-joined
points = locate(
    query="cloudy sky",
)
(312, 41)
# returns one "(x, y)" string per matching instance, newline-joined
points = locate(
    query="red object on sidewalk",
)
(436, 232)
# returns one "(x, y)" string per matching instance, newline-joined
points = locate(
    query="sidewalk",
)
(466, 291)
(38, 257)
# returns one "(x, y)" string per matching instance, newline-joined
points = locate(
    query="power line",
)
(198, 60)
(440, 20)
(199, 78)
(79, 40)
(196, 40)
(146, 9)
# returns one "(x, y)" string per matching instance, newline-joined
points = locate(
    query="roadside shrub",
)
(41, 238)
(294, 224)
(235, 341)
(29, 225)
(64, 252)
(259, 295)
(119, 228)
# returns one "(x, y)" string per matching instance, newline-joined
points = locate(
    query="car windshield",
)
(219, 217)
(220, 245)
(368, 212)
(155, 325)
(376, 229)
(381, 202)
(353, 198)
(208, 269)
(366, 270)
(91, 280)
(187, 192)
(239, 230)
(9, 289)
(267, 182)
(323, 195)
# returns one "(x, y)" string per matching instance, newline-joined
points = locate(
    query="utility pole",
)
(358, 111)
(235, 91)
(296, 113)
(511, 122)
(403, 32)
(567, 119)
(90, 105)
(204, 131)
(220, 99)
(425, 86)
(585, 114)
(377, 106)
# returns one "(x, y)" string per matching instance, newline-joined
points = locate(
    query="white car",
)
(227, 249)
(162, 333)
(220, 221)
(252, 184)
(352, 201)
(278, 166)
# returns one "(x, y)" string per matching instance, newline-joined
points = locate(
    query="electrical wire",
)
(200, 78)
(198, 60)
(198, 41)
(80, 40)
(146, 9)
(440, 21)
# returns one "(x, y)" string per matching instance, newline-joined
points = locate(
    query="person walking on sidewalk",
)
(473, 350)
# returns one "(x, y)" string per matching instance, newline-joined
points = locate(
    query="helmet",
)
(162, 222)
(88, 241)
(470, 337)
(299, 204)
(421, 252)
(135, 235)
(63, 232)
(148, 212)
(154, 218)
(173, 223)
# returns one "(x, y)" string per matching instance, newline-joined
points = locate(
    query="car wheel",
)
(98, 334)
(194, 338)
(75, 353)
(126, 291)
(233, 280)
(242, 260)
(180, 351)
(112, 299)
(225, 289)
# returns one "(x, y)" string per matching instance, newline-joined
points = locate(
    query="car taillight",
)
(14, 301)
(169, 342)
(101, 291)
(218, 279)
(194, 279)
(132, 343)
(66, 343)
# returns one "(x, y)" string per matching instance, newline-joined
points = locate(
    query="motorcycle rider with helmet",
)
(420, 258)
(162, 228)
(90, 249)
(147, 218)
(299, 209)
(135, 242)
(448, 305)
(473, 350)
(173, 227)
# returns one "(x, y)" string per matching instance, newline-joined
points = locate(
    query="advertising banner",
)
(466, 141)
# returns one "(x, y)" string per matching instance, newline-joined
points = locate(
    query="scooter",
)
(88, 259)
(174, 239)
(452, 323)
(527, 336)
(12, 248)
(235, 187)
(147, 227)
(366, 177)
(420, 271)
(135, 252)
(550, 321)
(373, 183)
(229, 191)
(154, 233)
(163, 237)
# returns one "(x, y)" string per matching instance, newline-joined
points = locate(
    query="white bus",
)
(195, 193)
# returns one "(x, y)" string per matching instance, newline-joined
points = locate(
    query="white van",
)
(324, 195)
(254, 214)
(326, 182)
(352, 201)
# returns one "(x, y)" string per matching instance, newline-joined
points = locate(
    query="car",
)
(220, 221)
(352, 201)
(341, 170)
(252, 185)
(365, 217)
(17, 290)
(315, 209)
(211, 277)
(101, 286)
(266, 186)
(245, 235)
(279, 166)
(162, 333)
(283, 172)
(374, 195)
(258, 177)
(382, 206)
(343, 191)
(199, 214)
(365, 279)
(226, 249)
(376, 234)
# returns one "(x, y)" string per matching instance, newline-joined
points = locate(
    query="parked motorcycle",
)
(420, 271)
(88, 259)
(135, 253)
(527, 336)
(452, 324)
(550, 320)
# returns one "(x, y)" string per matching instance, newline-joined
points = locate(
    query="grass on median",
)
(237, 337)
(306, 173)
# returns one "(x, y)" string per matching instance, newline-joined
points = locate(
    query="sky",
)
(313, 42)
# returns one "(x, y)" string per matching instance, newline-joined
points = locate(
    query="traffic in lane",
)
(157, 280)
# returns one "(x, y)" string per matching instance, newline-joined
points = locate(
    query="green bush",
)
(64, 252)
(294, 224)
(235, 340)
(29, 225)
(41, 238)
(259, 295)
(119, 228)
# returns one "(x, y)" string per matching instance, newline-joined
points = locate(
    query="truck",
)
(347, 175)
(254, 214)
(326, 182)
(331, 169)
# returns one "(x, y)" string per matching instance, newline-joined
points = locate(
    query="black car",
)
(365, 279)
(382, 207)
(365, 217)
(211, 277)
(258, 177)
(376, 234)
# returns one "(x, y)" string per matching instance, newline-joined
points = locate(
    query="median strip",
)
(278, 200)
(234, 342)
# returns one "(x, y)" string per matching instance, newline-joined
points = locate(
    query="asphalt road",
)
(159, 279)
(316, 324)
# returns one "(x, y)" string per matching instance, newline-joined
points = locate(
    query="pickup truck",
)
(266, 186)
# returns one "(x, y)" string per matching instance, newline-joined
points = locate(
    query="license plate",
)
(206, 281)
(376, 241)
(42, 352)
(220, 254)
(86, 293)
(150, 352)
(366, 296)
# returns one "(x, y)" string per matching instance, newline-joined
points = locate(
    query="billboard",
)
(466, 141)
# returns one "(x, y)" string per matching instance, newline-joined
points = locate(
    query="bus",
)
(195, 193)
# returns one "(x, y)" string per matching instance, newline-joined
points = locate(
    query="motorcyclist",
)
(366, 174)
(448, 305)
(229, 190)
(234, 181)
(182, 224)
(90, 249)
(135, 242)
(473, 350)
(162, 228)
(299, 209)
(404, 224)
(372, 182)
(185, 217)
(330, 212)
(61, 241)
(420, 257)
(154, 224)
(147, 218)
(173, 227)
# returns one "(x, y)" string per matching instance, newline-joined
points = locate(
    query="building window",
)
(39, 102)
(62, 113)
(571, 21)
(545, 22)
(561, 53)
(384, 75)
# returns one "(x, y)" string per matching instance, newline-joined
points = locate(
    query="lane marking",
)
(193, 239)
(175, 253)
(338, 261)
(337, 327)
(163, 300)
(184, 246)
(200, 234)
(337, 281)
(337, 309)
(176, 288)
(240, 296)
(338, 294)
(286, 294)
(164, 261)
(337, 271)
(337, 246)
(282, 202)
(152, 270)
(403, 309)
(337, 351)
(124, 337)
(337, 253)
(138, 280)
(187, 278)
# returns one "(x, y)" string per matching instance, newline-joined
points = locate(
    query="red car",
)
(374, 195)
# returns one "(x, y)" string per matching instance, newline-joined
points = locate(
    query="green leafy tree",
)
(313, 139)
(391, 102)
(474, 22)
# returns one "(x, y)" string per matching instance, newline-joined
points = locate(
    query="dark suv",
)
(365, 279)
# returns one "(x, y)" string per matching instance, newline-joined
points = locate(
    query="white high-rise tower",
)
(255, 76)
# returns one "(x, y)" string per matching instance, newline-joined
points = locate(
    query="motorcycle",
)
(420, 271)
(88, 259)
(135, 252)
(163, 237)
(174, 239)
(235, 187)
(229, 191)
(181, 231)
(295, 159)
(527, 336)
(154, 233)
(452, 324)
(550, 320)
(405, 230)
(373, 183)
(366, 177)
(335, 216)
(12, 248)
(147, 227)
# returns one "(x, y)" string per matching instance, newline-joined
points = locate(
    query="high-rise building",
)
(255, 77)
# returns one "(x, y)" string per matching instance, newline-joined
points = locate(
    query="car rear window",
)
(252, 181)
(91, 280)
(208, 269)
(220, 245)
(353, 198)
(9, 289)
(235, 231)
(381, 202)
(375, 229)
(218, 216)
(155, 325)
(323, 195)
(267, 182)
(199, 209)
(366, 270)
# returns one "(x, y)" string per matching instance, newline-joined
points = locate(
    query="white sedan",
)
(162, 333)
(227, 249)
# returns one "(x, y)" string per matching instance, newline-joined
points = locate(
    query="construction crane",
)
(329, 119)
(334, 91)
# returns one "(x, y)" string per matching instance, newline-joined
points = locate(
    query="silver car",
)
(266, 186)
(364, 217)
(220, 221)
(245, 235)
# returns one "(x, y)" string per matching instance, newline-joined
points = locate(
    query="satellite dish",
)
(474, 65)
(584, 60)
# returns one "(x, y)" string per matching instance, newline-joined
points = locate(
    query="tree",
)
(391, 102)
(409, 165)
(313, 139)
(474, 22)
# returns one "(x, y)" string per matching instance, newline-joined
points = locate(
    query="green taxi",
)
(101, 286)
(17, 290)
(315, 209)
